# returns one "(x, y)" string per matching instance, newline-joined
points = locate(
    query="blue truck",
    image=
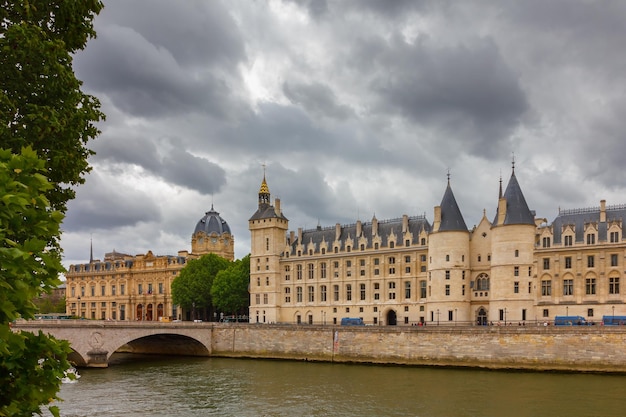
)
(349, 321)
(570, 321)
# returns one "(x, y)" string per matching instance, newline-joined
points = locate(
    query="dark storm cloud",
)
(145, 80)
(194, 33)
(164, 159)
(105, 204)
(467, 91)
(316, 98)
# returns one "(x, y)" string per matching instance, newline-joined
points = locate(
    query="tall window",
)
(614, 285)
(546, 242)
(568, 240)
(590, 286)
(407, 289)
(568, 262)
(298, 294)
(590, 261)
(335, 292)
(546, 287)
(568, 287)
(447, 274)
(323, 293)
(311, 293)
(591, 239)
(614, 237)
(447, 289)
(613, 259)
(323, 270)
(422, 289)
(516, 271)
(349, 292)
(287, 295)
(362, 292)
(311, 271)
(516, 287)
(299, 271)
(546, 263)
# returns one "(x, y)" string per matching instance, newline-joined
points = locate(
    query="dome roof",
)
(212, 223)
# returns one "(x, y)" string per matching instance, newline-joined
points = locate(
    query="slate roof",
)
(451, 217)
(327, 234)
(212, 222)
(517, 211)
(579, 217)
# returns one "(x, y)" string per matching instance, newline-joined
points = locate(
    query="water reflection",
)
(140, 386)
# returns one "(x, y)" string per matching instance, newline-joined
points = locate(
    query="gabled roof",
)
(579, 217)
(451, 217)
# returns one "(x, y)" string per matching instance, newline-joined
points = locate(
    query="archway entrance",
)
(482, 317)
(392, 318)
(139, 315)
(149, 312)
(160, 310)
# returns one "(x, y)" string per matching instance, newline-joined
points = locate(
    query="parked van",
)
(347, 321)
(570, 321)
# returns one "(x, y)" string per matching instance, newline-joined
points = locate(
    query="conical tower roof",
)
(451, 217)
(517, 211)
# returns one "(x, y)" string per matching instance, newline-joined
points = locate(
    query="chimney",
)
(405, 223)
(292, 235)
(277, 206)
(300, 235)
(359, 228)
(374, 226)
(437, 219)
(501, 212)
(602, 211)
(337, 231)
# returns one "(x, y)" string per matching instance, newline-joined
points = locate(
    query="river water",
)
(173, 386)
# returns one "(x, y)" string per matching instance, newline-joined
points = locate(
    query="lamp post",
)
(455, 316)
(567, 310)
(613, 307)
(437, 317)
(324, 318)
(505, 316)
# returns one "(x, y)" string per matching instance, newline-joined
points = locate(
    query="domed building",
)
(138, 287)
(212, 235)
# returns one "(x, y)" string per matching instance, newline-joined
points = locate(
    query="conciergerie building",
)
(513, 269)
(138, 287)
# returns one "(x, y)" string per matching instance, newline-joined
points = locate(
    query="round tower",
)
(448, 264)
(512, 279)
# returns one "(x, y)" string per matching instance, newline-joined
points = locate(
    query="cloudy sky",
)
(357, 108)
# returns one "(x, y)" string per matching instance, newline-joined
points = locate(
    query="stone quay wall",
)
(580, 349)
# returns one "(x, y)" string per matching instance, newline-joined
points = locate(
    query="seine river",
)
(173, 386)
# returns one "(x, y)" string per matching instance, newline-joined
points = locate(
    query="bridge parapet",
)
(93, 342)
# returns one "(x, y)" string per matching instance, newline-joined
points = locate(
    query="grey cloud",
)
(316, 98)
(467, 92)
(103, 203)
(165, 159)
(196, 33)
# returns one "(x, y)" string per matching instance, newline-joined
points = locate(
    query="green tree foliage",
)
(45, 124)
(30, 365)
(230, 289)
(192, 287)
(41, 103)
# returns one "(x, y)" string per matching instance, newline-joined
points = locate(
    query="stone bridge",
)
(93, 342)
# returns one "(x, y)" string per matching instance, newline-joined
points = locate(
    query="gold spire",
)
(264, 188)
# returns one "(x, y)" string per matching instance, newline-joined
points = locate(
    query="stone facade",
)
(515, 269)
(138, 288)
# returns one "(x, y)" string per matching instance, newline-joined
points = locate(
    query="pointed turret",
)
(513, 210)
(451, 217)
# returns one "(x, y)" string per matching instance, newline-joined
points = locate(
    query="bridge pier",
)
(97, 358)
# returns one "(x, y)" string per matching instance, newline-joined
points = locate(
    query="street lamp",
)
(324, 318)
(455, 316)
(613, 307)
(505, 316)
(567, 310)
(437, 317)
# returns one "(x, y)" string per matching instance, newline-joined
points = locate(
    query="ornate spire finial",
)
(513, 161)
(448, 175)
(500, 191)
(91, 249)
